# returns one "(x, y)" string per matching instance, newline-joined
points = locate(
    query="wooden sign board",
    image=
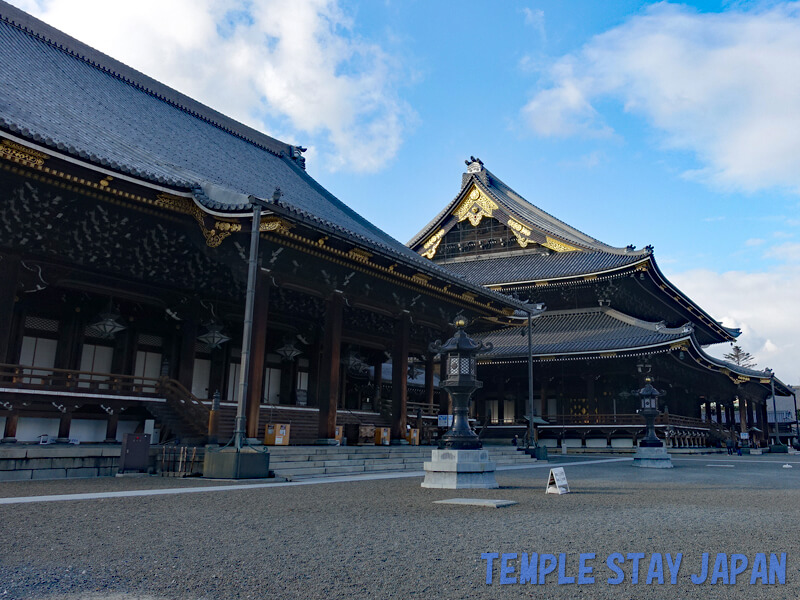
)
(557, 482)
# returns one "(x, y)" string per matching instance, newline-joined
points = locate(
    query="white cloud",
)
(754, 242)
(723, 86)
(293, 69)
(534, 17)
(764, 305)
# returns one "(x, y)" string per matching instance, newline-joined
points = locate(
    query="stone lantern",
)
(651, 452)
(460, 369)
(460, 462)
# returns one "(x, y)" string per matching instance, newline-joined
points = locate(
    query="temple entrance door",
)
(37, 352)
(492, 411)
(201, 375)
(97, 359)
(509, 414)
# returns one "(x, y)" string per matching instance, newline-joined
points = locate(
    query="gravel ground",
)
(386, 538)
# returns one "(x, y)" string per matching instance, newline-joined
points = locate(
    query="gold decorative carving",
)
(18, 152)
(681, 345)
(433, 244)
(421, 278)
(359, 255)
(177, 204)
(474, 207)
(741, 379)
(763, 381)
(558, 246)
(469, 296)
(227, 226)
(608, 354)
(273, 224)
(213, 237)
(523, 232)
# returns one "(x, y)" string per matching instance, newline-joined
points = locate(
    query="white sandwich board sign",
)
(557, 482)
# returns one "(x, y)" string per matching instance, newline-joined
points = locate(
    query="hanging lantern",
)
(213, 337)
(289, 351)
(107, 324)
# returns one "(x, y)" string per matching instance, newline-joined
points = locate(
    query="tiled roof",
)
(591, 330)
(498, 269)
(69, 98)
(514, 204)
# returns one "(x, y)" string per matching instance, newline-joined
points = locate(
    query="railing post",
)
(213, 420)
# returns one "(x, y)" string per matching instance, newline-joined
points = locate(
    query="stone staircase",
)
(303, 462)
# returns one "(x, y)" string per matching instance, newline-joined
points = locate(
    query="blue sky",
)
(676, 125)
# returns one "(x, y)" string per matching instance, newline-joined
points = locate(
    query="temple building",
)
(125, 221)
(126, 213)
(612, 319)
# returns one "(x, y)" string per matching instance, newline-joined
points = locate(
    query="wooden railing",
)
(182, 402)
(428, 410)
(625, 419)
(90, 382)
(191, 410)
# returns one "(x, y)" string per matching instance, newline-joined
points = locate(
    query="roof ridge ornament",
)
(474, 165)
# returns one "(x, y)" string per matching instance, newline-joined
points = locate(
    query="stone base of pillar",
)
(399, 443)
(327, 442)
(110, 441)
(8, 440)
(460, 470)
(232, 464)
(652, 458)
(62, 440)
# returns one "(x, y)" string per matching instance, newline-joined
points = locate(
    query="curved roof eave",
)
(762, 376)
(730, 334)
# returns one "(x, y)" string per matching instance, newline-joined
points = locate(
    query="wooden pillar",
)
(743, 418)
(501, 398)
(343, 387)
(111, 427)
(70, 340)
(9, 275)
(188, 342)
(123, 358)
(288, 381)
(707, 404)
(400, 378)
(377, 382)
(329, 369)
(429, 389)
(64, 425)
(719, 412)
(543, 408)
(10, 431)
(216, 376)
(765, 423)
(314, 365)
(258, 354)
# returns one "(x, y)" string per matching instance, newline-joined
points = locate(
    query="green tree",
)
(739, 357)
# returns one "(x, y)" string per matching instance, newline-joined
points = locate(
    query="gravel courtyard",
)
(386, 539)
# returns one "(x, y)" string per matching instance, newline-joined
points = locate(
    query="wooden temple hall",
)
(612, 320)
(125, 222)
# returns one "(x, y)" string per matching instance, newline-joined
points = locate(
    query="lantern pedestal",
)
(460, 470)
(652, 458)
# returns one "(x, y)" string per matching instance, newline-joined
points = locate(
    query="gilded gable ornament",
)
(433, 244)
(474, 207)
(558, 246)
